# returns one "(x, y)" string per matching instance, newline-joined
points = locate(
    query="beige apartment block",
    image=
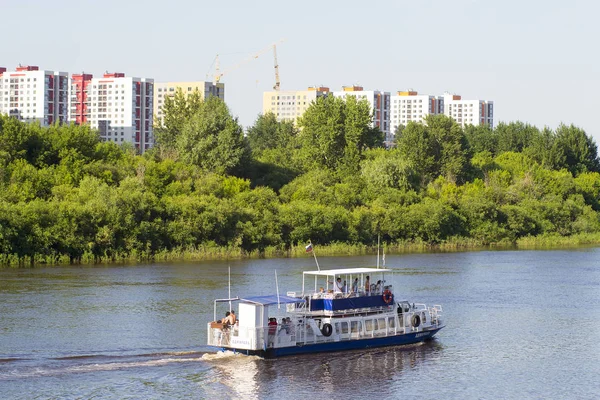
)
(291, 104)
(164, 89)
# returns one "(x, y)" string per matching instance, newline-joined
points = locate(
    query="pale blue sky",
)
(537, 60)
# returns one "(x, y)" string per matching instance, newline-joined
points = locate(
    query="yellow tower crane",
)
(219, 73)
(277, 81)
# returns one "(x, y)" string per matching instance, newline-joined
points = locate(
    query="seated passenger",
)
(225, 321)
(368, 285)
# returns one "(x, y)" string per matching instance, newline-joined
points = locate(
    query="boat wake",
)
(92, 363)
(226, 355)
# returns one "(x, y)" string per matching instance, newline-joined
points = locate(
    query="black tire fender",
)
(327, 330)
(415, 321)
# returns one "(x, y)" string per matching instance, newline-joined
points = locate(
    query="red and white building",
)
(79, 107)
(33, 95)
(119, 107)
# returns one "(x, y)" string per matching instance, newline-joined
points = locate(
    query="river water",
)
(520, 324)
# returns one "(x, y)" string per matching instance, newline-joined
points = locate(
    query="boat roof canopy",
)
(270, 300)
(346, 271)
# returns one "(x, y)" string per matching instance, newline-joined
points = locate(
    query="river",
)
(520, 324)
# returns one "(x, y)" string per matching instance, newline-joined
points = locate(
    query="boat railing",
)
(235, 336)
(307, 330)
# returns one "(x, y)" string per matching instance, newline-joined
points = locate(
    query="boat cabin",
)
(343, 290)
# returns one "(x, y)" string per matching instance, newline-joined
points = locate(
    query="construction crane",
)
(218, 73)
(277, 81)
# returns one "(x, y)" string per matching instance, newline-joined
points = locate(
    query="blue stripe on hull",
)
(397, 340)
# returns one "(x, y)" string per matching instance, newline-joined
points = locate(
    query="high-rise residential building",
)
(119, 107)
(164, 89)
(2, 71)
(468, 112)
(79, 110)
(410, 106)
(380, 107)
(291, 104)
(33, 95)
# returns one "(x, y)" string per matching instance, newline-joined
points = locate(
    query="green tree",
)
(576, 151)
(268, 133)
(388, 169)
(481, 138)
(436, 147)
(335, 133)
(213, 140)
(177, 110)
(514, 136)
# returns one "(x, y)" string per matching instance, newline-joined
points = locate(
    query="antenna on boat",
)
(229, 288)
(277, 286)
(378, 237)
(309, 249)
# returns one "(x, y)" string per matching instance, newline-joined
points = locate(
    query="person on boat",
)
(378, 287)
(285, 326)
(226, 319)
(344, 288)
(232, 318)
(368, 285)
(355, 286)
(272, 330)
(272, 326)
(337, 286)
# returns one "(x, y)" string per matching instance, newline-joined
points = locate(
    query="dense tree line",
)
(66, 194)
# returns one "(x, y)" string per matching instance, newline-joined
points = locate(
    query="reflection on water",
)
(238, 373)
(252, 377)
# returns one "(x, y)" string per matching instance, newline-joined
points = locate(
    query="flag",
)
(309, 248)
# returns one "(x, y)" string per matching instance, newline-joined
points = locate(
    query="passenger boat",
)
(330, 316)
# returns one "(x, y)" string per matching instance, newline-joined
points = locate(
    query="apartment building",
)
(468, 112)
(291, 104)
(379, 103)
(410, 106)
(33, 95)
(79, 109)
(164, 89)
(119, 107)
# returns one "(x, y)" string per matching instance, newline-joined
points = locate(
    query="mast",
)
(378, 237)
(277, 286)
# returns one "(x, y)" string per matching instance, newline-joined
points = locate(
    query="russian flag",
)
(309, 248)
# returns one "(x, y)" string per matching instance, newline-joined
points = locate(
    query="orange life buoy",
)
(388, 297)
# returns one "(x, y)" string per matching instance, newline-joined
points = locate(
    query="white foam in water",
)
(227, 354)
(39, 371)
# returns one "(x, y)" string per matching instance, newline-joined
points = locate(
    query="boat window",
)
(392, 322)
(369, 325)
(381, 323)
(343, 329)
(356, 326)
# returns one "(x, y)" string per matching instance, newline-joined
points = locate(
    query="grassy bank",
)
(208, 253)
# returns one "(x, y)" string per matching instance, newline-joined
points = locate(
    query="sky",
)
(536, 60)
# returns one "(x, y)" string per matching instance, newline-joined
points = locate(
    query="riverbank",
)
(207, 253)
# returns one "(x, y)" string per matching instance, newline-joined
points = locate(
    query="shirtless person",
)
(232, 318)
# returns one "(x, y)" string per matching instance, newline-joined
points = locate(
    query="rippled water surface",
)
(520, 324)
